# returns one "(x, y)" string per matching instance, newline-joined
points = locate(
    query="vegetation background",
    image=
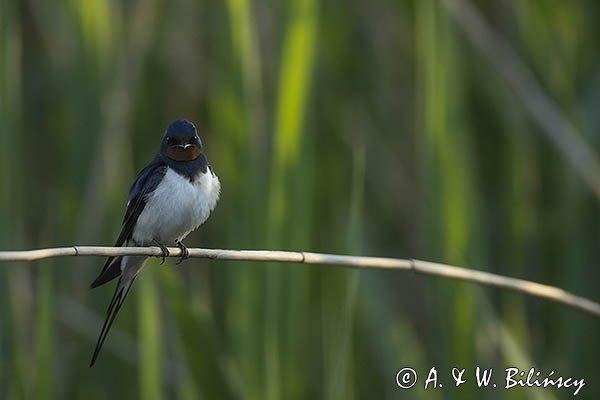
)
(358, 127)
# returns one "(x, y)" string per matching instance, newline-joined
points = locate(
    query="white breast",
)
(176, 207)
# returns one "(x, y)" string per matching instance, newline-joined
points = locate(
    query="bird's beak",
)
(183, 146)
(183, 152)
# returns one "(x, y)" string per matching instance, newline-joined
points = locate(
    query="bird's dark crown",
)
(181, 127)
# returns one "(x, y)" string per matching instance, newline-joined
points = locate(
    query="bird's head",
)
(181, 141)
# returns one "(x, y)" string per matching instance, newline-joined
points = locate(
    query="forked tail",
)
(113, 308)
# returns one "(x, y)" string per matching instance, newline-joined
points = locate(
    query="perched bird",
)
(169, 198)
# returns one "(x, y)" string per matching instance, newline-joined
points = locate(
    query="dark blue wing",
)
(145, 183)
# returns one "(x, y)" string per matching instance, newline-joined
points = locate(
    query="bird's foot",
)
(185, 253)
(163, 248)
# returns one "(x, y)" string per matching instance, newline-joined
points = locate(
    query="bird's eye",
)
(170, 140)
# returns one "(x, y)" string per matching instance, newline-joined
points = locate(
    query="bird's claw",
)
(185, 253)
(163, 248)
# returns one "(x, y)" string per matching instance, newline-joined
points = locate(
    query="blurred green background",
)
(357, 127)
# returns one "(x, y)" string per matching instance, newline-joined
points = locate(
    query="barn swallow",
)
(170, 197)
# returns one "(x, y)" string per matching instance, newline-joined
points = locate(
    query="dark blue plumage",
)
(181, 127)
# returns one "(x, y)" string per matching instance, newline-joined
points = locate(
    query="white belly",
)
(176, 207)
